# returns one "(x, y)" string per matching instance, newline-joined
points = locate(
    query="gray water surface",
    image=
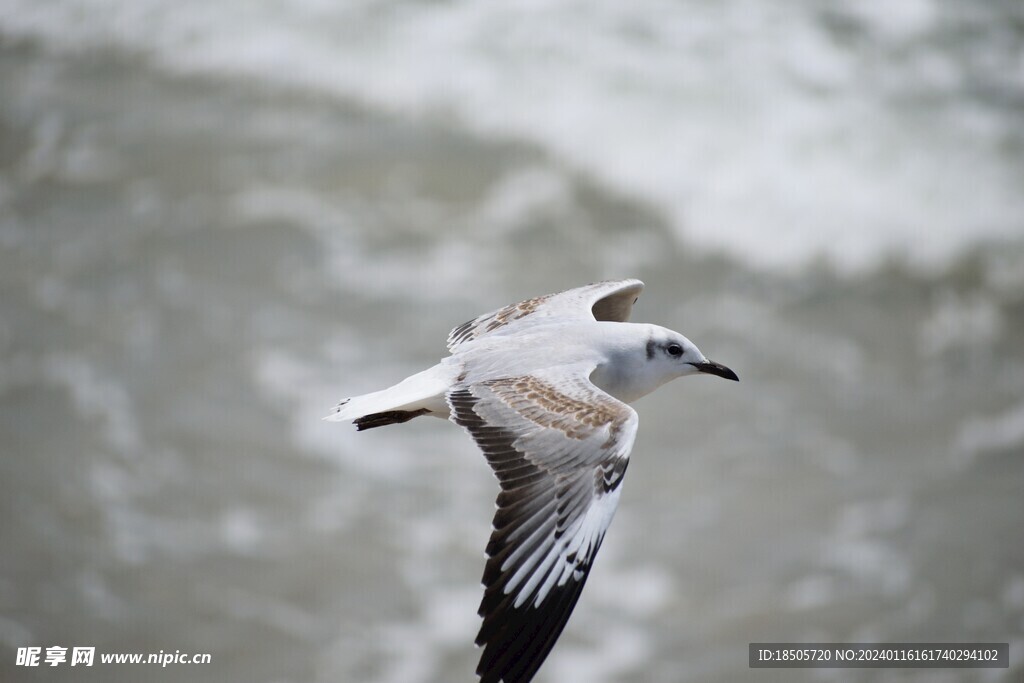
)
(195, 269)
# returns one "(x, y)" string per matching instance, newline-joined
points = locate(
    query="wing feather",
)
(609, 300)
(558, 446)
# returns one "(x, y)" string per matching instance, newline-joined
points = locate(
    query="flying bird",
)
(543, 387)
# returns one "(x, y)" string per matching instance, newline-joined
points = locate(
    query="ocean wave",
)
(777, 134)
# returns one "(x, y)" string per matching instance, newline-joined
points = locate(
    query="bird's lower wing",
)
(559, 447)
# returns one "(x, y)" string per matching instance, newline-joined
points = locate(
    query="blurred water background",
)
(217, 219)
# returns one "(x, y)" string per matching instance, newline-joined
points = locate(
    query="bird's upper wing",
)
(559, 447)
(610, 300)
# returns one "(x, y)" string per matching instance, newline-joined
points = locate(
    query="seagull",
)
(543, 387)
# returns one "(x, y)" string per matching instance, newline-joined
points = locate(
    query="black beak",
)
(713, 368)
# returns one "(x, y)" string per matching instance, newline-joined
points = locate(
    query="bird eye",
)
(674, 350)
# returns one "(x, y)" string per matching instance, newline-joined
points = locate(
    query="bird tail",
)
(420, 394)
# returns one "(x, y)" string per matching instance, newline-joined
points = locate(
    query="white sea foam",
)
(858, 547)
(414, 651)
(99, 397)
(957, 322)
(809, 592)
(621, 649)
(775, 133)
(998, 433)
(241, 530)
